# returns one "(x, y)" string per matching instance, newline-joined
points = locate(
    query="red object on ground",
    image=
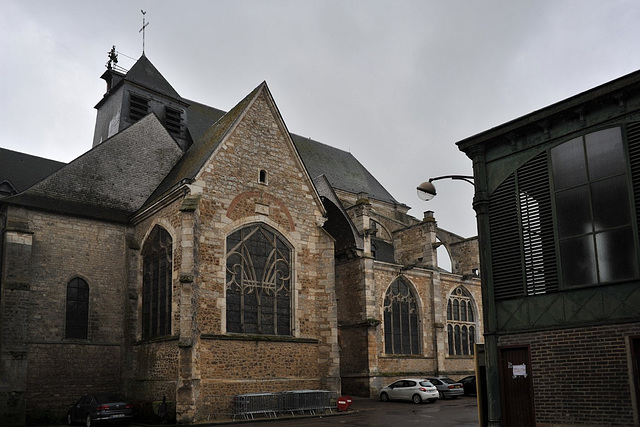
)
(344, 402)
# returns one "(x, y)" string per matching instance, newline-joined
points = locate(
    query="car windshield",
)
(109, 398)
(426, 384)
(447, 380)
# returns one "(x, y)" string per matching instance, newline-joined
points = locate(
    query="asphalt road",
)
(364, 412)
(460, 412)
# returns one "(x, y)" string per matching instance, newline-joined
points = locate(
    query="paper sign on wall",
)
(519, 370)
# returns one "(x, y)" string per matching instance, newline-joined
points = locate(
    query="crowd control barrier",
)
(271, 405)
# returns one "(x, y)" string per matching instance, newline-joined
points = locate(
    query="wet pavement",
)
(460, 412)
(370, 412)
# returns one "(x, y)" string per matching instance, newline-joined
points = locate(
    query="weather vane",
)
(113, 58)
(144, 25)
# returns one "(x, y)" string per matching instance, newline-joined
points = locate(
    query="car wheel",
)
(416, 398)
(87, 420)
(441, 395)
(69, 420)
(384, 397)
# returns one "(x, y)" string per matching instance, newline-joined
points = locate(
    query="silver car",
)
(447, 387)
(415, 390)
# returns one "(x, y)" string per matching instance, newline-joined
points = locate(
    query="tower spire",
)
(142, 30)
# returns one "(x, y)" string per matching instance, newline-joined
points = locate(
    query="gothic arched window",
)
(401, 329)
(77, 319)
(461, 326)
(259, 282)
(156, 284)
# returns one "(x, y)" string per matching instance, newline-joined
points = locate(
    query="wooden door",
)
(516, 385)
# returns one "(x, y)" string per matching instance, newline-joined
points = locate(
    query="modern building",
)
(197, 254)
(557, 200)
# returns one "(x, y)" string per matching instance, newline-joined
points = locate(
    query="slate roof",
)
(112, 180)
(136, 166)
(201, 150)
(201, 118)
(23, 170)
(340, 167)
(146, 74)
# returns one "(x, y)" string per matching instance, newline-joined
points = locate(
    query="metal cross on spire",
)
(144, 25)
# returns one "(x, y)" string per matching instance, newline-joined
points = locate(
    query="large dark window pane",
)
(569, 168)
(573, 212)
(77, 313)
(401, 326)
(616, 255)
(259, 278)
(597, 243)
(156, 284)
(610, 203)
(578, 261)
(605, 153)
(460, 328)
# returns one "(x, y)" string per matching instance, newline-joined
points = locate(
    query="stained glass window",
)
(258, 282)
(460, 323)
(401, 328)
(156, 284)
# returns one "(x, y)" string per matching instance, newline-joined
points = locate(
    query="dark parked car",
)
(469, 385)
(100, 407)
(447, 387)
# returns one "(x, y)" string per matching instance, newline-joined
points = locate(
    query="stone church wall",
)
(153, 369)
(58, 370)
(354, 328)
(285, 202)
(227, 196)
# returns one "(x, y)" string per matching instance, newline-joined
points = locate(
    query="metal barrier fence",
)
(247, 406)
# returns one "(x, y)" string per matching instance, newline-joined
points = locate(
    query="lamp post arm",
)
(466, 178)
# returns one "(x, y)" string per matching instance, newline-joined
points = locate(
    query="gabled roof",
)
(201, 150)
(341, 168)
(146, 74)
(112, 180)
(23, 170)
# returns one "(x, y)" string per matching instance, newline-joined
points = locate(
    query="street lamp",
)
(427, 191)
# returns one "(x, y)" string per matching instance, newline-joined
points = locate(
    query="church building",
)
(193, 252)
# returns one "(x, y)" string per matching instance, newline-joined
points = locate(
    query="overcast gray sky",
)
(397, 83)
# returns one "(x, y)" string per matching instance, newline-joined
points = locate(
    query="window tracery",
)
(156, 284)
(461, 324)
(401, 328)
(258, 282)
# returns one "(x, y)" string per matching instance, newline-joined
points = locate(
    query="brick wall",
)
(580, 375)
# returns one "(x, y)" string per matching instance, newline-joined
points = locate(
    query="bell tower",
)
(133, 94)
